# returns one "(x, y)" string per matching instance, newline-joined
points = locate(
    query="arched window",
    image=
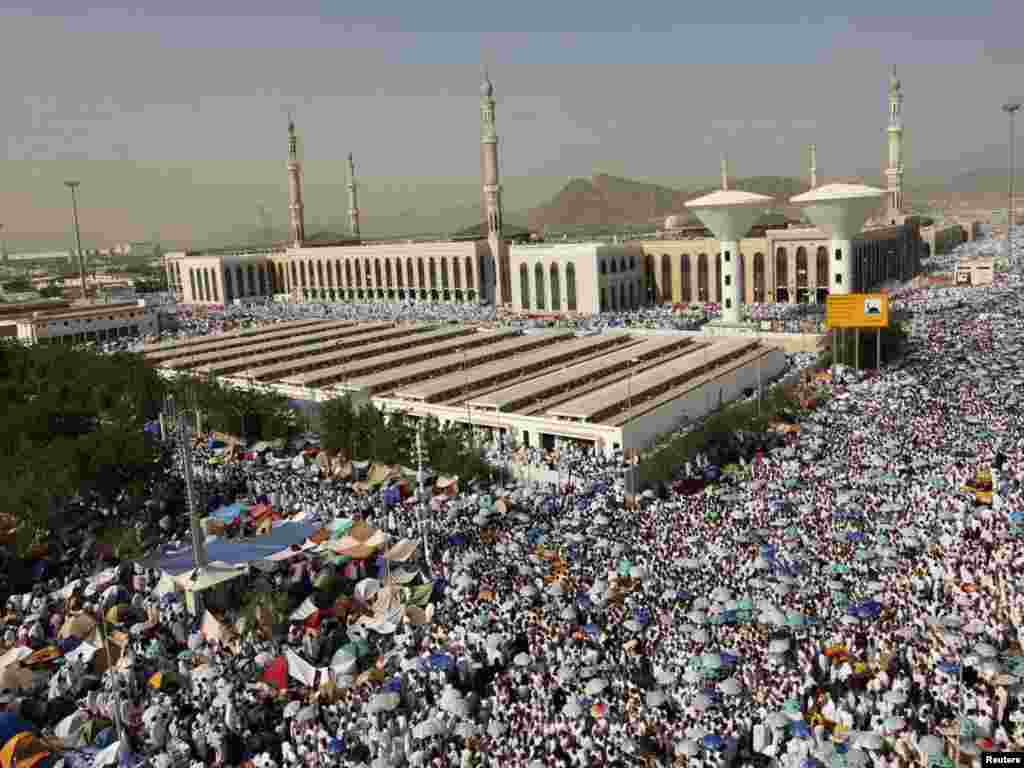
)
(614, 266)
(433, 274)
(214, 275)
(192, 282)
(684, 278)
(666, 277)
(207, 294)
(538, 279)
(470, 282)
(622, 264)
(348, 275)
(759, 277)
(570, 286)
(359, 274)
(456, 273)
(821, 267)
(611, 298)
(632, 295)
(330, 274)
(410, 273)
(702, 278)
(229, 292)
(604, 267)
(622, 296)
(632, 262)
(319, 274)
(781, 275)
(556, 289)
(399, 282)
(387, 273)
(376, 273)
(801, 269)
(421, 269)
(367, 273)
(718, 278)
(444, 274)
(524, 286)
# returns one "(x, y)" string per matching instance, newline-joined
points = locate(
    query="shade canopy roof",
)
(840, 209)
(730, 213)
(730, 197)
(830, 192)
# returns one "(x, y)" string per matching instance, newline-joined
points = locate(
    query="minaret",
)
(725, 173)
(492, 196)
(353, 201)
(894, 173)
(814, 167)
(298, 224)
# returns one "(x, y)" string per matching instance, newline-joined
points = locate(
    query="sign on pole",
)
(857, 310)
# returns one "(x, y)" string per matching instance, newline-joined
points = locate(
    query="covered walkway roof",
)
(615, 362)
(284, 341)
(613, 398)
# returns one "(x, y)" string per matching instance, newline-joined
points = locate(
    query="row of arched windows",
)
(552, 290)
(703, 290)
(614, 265)
(376, 273)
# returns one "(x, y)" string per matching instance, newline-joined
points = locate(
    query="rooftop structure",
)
(536, 387)
(840, 210)
(730, 215)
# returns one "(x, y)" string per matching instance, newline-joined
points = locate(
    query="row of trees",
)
(365, 432)
(252, 414)
(73, 424)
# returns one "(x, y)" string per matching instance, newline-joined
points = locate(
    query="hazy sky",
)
(648, 90)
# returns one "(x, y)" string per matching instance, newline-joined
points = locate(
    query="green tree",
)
(73, 424)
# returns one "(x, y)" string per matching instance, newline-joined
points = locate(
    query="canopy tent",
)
(226, 552)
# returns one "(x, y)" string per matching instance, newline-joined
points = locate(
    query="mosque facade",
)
(781, 261)
(350, 269)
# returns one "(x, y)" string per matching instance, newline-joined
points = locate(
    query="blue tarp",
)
(239, 552)
(230, 512)
(392, 495)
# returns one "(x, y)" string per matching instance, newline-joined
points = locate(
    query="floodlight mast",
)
(1010, 109)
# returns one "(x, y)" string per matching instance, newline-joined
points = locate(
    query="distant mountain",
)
(609, 201)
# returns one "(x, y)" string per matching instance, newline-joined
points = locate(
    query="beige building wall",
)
(604, 276)
(786, 265)
(440, 271)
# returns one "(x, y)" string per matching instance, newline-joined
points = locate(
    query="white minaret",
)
(894, 173)
(492, 194)
(298, 223)
(353, 200)
(814, 166)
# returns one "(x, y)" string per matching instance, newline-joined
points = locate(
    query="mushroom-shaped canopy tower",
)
(729, 214)
(840, 210)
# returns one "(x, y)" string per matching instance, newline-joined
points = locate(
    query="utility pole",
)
(184, 437)
(1011, 110)
(421, 496)
(73, 185)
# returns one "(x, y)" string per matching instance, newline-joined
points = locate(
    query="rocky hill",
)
(605, 201)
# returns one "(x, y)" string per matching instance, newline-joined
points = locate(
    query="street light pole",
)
(73, 185)
(1011, 110)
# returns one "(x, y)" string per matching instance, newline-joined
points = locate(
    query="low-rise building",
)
(74, 325)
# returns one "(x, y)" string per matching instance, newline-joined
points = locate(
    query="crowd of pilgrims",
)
(836, 600)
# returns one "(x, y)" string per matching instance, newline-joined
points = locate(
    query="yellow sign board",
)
(857, 310)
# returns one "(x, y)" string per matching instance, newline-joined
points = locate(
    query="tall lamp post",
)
(1011, 110)
(73, 185)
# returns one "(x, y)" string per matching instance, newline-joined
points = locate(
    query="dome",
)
(675, 221)
(486, 88)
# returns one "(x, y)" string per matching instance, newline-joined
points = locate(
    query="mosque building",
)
(780, 260)
(350, 269)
